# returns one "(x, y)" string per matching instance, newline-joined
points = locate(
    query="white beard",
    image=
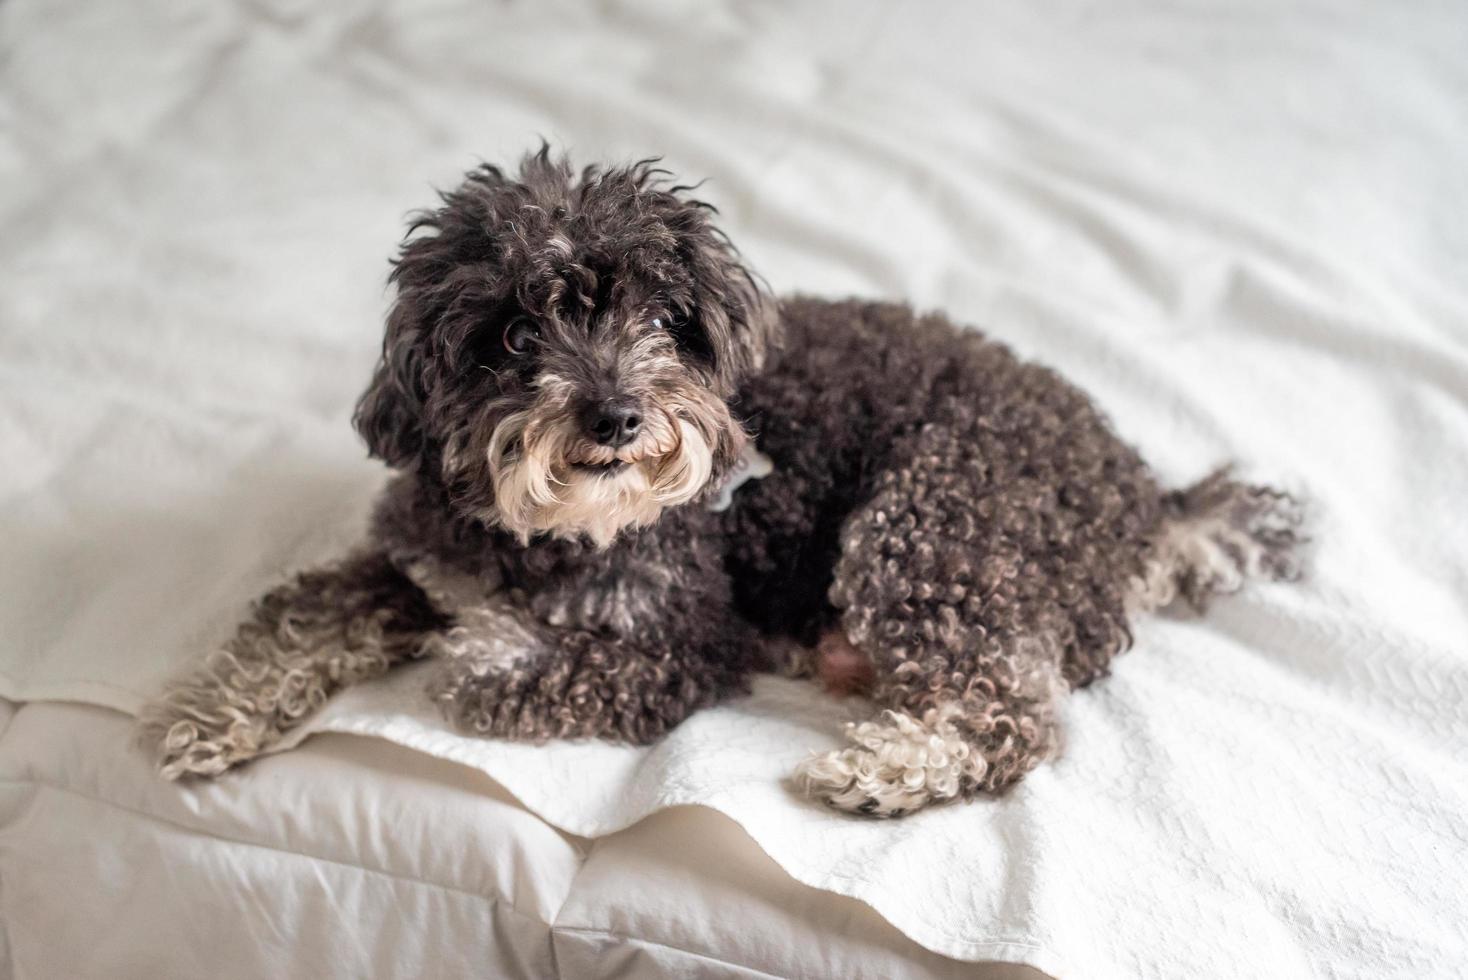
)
(538, 489)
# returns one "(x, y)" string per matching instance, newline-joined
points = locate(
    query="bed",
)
(1240, 226)
(333, 862)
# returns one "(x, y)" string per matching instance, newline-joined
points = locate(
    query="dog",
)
(581, 385)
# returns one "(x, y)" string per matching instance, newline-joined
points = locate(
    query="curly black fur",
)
(963, 522)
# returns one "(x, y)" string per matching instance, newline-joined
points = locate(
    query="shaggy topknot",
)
(574, 364)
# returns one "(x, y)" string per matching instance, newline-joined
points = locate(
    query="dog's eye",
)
(686, 334)
(520, 335)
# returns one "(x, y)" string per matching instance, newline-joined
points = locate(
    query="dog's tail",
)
(1214, 536)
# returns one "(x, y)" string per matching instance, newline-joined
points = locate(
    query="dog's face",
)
(563, 349)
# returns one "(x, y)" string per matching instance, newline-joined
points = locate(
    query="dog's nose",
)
(613, 422)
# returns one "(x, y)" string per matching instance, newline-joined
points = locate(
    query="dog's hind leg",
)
(947, 738)
(980, 596)
(325, 629)
(975, 637)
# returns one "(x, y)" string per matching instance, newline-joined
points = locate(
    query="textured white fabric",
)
(1239, 225)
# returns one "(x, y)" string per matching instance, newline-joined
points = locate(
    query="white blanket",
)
(1240, 225)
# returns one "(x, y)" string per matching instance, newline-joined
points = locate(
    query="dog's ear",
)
(388, 413)
(740, 319)
(754, 321)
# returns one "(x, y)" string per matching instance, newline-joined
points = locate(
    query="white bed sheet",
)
(1239, 225)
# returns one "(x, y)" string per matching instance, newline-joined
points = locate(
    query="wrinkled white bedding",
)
(1239, 225)
(355, 858)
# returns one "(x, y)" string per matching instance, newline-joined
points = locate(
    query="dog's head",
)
(563, 349)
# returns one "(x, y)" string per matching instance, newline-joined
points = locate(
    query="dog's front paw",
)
(186, 741)
(187, 751)
(896, 765)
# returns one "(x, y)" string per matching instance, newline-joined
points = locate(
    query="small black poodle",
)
(627, 478)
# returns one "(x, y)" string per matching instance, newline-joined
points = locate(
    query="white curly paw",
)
(185, 739)
(896, 765)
